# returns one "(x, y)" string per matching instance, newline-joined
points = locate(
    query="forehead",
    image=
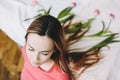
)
(39, 42)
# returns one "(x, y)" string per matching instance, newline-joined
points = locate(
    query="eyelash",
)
(30, 49)
(44, 53)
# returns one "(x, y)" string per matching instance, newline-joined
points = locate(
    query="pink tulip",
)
(34, 2)
(112, 16)
(74, 4)
(97, 11)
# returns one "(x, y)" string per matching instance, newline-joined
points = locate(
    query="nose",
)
(38, 56)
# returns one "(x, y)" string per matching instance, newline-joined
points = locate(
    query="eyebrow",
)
(40, 51)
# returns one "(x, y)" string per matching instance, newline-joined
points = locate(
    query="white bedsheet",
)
(14, 12)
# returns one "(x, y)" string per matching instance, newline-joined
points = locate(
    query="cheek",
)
(44, 58)
(31, 56)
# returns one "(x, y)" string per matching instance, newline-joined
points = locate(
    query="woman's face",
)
(39, 49)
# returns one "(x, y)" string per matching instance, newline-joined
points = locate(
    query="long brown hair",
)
(79, 61)
(51, 27)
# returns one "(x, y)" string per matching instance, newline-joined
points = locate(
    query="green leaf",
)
(48, 11)
(108, 40)
(42, 10)
(88, 23)
(38, 15)
(74, 29)
(107, 29)
(67, 18)
(100, 33)
(115, 41)
(64, 12)
(33, 17)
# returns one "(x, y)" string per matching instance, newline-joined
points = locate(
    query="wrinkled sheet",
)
(14, 12)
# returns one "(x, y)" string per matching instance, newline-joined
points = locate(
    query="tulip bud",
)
(34, 2)
(74, 4)
(112, 16)
(97, 12)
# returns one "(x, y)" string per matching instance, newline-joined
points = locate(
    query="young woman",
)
(44, 56)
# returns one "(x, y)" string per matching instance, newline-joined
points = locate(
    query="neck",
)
(47, 65)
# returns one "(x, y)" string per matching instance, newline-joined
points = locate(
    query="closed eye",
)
(30, 49)
(45, 53)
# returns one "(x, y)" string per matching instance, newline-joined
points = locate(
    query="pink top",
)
(30, 72)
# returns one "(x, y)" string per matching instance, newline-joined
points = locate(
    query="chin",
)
(34, 64)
